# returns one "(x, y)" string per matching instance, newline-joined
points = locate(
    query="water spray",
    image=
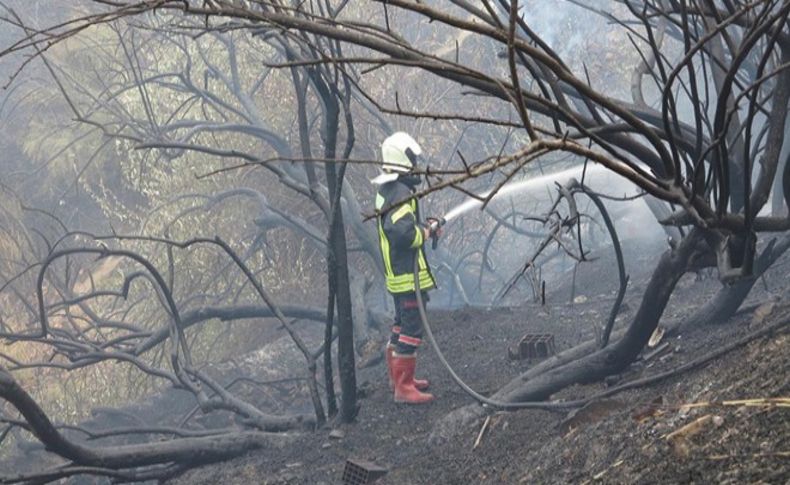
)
(513, 188)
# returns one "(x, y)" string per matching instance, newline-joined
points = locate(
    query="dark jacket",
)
(401, 238)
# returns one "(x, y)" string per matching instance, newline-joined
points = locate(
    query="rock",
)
(337, 434)
(580, 299)
(326, 445)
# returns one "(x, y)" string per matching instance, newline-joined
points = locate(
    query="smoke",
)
(638, 230)
(564, 26)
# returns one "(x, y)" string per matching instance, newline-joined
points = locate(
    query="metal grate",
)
(361, 472)
(534, 346)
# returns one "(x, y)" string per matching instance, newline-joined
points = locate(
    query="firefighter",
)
(401, 239)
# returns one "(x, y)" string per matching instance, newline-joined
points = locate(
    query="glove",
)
(435, 226)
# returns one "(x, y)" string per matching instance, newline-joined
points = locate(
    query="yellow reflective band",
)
(379, 202)
(385, 250)
(418, 237)
(404, 283)
(398, 214)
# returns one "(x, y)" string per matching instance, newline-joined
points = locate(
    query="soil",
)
(620, 440)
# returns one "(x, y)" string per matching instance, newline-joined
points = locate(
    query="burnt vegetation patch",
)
(191, 265)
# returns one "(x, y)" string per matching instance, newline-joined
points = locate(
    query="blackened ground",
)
(619, 442)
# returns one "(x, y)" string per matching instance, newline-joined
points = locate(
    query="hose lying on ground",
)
(475, 395)
(779, 324)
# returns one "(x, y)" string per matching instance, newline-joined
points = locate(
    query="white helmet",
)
(400, 152)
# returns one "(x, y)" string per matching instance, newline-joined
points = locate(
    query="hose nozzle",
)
(434, 224)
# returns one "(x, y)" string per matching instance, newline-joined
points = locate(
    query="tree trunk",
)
(781, 186)
(338, 257)
(329, 378)
(778, 208)
(727, 301)
(345, 324)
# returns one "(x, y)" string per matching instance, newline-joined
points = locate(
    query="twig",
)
(780, 402)
(773, 454)
(482, 432)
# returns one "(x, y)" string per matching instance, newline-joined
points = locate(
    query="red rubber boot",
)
(420, 384)
(403, 374)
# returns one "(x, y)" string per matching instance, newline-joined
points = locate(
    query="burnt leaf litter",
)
(678, 431)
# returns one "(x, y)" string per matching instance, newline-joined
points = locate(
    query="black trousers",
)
(407, 329)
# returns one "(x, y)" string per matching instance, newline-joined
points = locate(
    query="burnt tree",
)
(712, 148)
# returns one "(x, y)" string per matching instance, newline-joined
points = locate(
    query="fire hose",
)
(433, 227)
(487, 402)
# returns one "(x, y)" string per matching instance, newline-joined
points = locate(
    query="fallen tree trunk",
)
(776, 327)
(178, 451)
(718, 310)
(597, 365)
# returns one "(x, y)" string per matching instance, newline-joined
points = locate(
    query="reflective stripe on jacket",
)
(401, 238)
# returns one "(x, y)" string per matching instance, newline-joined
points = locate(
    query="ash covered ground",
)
(623, 440)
